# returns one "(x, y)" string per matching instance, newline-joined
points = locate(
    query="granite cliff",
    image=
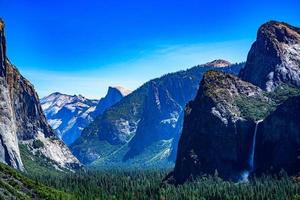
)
(23, 122)
(238, 126)
(274, 57)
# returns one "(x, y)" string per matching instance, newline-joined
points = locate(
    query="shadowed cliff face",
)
(216, 133)
(22, 120)
(278, 145)
(220, 131)
(273, 61)
(274, 57)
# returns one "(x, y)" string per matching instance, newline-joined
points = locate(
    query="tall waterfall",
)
(252, 150)
(250, 161)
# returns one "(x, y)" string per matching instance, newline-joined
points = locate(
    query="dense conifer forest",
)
(148, 185)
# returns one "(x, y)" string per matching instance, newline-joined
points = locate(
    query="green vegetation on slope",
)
(148, 185)
(257, 109)
(37, 144)
(14, 185)
(283, 92)
(153, 157)
(36, 164)
(253, 108)
(131, 108)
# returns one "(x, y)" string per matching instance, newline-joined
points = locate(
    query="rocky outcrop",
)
(23, 121)
(274, 57)
(278, 142)
(218, 63)
(144, 127)
(113, 96)
(273, 61)
(237, 128)
(68, 115)
(217, 133)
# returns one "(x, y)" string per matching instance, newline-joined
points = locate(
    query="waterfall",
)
(245, 174)
(252, 150)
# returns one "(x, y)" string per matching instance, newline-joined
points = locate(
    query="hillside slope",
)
(13, 185)
(143, 128)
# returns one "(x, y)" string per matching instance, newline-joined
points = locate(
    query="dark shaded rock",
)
(216, 133)
(220, 124)
(278, 142)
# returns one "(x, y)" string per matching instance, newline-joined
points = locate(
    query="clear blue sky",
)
(83, 46)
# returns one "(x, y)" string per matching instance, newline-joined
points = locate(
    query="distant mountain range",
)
(144, 127)
(68, 115)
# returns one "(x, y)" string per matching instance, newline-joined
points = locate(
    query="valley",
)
(214, 131)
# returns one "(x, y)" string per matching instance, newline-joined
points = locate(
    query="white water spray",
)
(245, 174)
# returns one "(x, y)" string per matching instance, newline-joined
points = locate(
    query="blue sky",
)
(84, 46)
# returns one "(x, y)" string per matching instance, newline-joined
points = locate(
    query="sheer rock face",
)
(220, 123)
(274, 57)
(278, 142)
(113, 96)
(216, 135)
(9, 149)
(22, 119)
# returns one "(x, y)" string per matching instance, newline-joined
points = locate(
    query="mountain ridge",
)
(68, 115)
(160, 100)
